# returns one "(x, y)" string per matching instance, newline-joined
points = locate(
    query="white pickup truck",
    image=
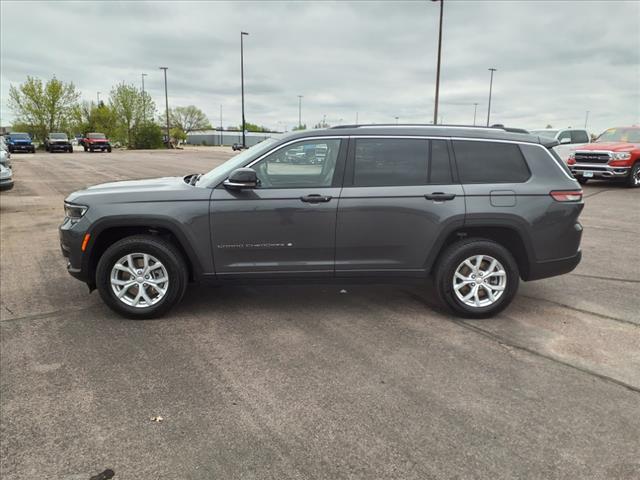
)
(570, 139)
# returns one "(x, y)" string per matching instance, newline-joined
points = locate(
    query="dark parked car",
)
(20, 142)
(237, 147)
(58, 142)
(476, 209)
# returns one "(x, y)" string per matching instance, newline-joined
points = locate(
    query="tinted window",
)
(490, 162)
(395, 162)
(564, 134)
(309, 163)
(579, 136)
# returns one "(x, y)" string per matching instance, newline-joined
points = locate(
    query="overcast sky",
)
(555, 60)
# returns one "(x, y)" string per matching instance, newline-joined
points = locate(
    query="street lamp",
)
(299, 112)
(586, 119)
(144, 101)
(98, 95)
(242, 34)
(435, 108)
(166, 104)
(490, 88)
(475, 110)
(397, 118)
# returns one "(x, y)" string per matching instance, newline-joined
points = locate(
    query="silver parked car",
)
(6, 178)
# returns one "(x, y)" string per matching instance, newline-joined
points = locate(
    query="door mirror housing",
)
(565, 140)
(242, 178)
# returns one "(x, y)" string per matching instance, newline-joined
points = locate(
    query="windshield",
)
(19, 136)
(545, 133)
(58, 136)
(631, 135)
(96, 135)
(235, 162)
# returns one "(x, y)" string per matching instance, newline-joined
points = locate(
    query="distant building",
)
(226, 137)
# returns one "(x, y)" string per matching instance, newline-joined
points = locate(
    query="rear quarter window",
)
(490, 162)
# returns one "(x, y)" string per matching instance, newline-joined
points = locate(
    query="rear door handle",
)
(315, 198)
(440, 196)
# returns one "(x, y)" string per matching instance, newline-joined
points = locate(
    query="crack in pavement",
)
(504, 342)
(40, 316)
(597, 277)
(564, 305)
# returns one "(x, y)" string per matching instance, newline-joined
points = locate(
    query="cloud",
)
(555, 60)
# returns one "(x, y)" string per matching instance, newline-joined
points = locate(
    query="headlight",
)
(74, 211)
(622, 155)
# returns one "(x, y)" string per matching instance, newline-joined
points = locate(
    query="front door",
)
(285, 226)
(399, 196)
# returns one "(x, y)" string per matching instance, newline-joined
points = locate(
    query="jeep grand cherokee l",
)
(476, 209)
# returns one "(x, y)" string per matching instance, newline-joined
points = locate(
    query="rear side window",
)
(490, 162)
(579, 136)
(397, 162)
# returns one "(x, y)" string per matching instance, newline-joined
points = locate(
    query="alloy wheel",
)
(139, 280)
(479, 281)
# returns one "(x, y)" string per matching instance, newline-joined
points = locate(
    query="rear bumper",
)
(598, 170)
(539, 270)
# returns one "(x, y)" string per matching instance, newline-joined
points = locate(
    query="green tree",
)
(178, 134)
(188, 119)
(126, 102)
(44, 107)
(148, 135)
(300, 127)
(252, 127)
(90, 117)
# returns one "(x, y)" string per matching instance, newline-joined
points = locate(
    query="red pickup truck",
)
(614, 155)
(96, 141)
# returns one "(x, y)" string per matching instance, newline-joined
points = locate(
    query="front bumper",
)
(6, 184)
(20, 147)
(589, 170)
(71, 234)
(59, 146)
(98, 146)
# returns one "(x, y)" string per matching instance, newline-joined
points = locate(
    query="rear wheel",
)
(476, 278)
(633, 180)
(141, 277)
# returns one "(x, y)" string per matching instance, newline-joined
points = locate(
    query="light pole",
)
(586, 119)
(490, 88)
(221, 127)
(242, 34)
(435, 108)
(475, 110)
(356, 118)
(299, 112)
(98, 96)
(397, 118)
(144, 100)
(166, 104)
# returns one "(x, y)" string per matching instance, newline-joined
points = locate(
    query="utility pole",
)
(299, 112)
(242, 34)
(166, 102)
(475, 110)
(144, 100)
(221, 127)
(98, 96)
(356, 118)
(435, 109)
(397, 118)
(586, 119)
(490, 89)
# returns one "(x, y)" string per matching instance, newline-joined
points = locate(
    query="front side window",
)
(400, 162)
(310, 163)
(490, 162)
(564, 134)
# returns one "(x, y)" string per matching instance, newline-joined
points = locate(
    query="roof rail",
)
(429, 125)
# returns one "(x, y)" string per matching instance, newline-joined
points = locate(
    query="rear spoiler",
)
(548, 142)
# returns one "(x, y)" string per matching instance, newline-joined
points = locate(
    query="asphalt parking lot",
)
(305, 381)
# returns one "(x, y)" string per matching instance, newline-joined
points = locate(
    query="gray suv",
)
(475, 209)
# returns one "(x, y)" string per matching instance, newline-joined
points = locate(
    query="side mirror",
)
(242, 178)
(565, 140)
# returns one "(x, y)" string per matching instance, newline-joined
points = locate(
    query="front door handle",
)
(440, 196)
(315, 198)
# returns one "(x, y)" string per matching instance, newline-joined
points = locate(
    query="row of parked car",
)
(6, 174)
(57, 142)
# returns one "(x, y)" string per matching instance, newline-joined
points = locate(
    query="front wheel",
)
(109, 149)
(634, 176)
(476, 278)
(141, 277)
(70, 149)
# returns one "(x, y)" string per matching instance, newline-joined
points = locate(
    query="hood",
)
(130, 190)
(58, 140)
(610, 146)
(97, 139)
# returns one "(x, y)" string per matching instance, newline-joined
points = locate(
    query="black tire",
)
(582, 180)
(109, 149)
(633, 180)
(454, 256)
(85, 148)
(33, 149)
(165, 252)
(71, 149)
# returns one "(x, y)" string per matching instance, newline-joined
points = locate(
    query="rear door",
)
(399, 196)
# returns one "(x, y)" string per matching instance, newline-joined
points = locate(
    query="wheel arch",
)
(109, 230)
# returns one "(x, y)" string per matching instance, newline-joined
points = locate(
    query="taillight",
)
(566, 195)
